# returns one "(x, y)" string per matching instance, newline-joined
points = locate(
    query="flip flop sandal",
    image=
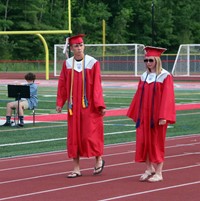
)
(155, 178)
(147, 174)
(74, 175)
(98, 170)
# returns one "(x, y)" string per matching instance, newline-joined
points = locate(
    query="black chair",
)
(16, 119)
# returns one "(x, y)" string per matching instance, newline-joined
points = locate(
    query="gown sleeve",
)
(167, 108)
(134, 106)
(62, 87)
(98, 91)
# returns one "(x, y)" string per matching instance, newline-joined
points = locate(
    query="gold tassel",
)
(83, 103)
(70, 112)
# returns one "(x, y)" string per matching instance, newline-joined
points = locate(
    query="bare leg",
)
(76, 171)
(99, 165)
(159, 168)
(98, 161)
(150, 170)
(158, 174)
(149, 165)
(76, 164)
(14, 105)
(9, 108)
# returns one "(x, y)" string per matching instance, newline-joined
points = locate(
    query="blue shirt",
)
(33, 100)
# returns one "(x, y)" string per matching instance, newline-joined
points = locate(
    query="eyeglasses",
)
(148, 60)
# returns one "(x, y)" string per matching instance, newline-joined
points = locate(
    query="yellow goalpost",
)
(39, 34)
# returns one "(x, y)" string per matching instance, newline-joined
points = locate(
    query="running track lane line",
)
(106, 147)
(106, 155)
(151, 191)
(60, 173)
(184, 145)
(90, 183)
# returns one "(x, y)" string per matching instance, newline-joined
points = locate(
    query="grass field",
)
(51, 136)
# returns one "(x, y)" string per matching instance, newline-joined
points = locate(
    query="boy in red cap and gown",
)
(80, 85)
(152, 108)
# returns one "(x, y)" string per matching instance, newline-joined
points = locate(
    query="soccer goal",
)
(187, 61)
(114, 58)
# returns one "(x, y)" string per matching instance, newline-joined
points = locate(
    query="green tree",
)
(127, 21)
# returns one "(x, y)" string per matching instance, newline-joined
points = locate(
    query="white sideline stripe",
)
(90, 183)
(151, 191)
(32, 142)
(21, 157)
(55, 139)
(106, 155)
(54, 174)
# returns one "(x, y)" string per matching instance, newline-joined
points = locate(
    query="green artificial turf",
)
(51, 136)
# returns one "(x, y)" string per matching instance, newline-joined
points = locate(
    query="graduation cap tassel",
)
(70, 109)
(70, 112)
(152, 123)
(86, 101)
(137, 123)
(152, 110)
(140, 107)
(83, 103)
(84, 98)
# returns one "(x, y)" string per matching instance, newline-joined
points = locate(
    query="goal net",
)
(187, 61)
(114, 58)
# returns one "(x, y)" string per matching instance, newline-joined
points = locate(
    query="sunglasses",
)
(148, 60)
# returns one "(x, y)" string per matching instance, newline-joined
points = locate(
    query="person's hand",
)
(162, 122)
(58, 109)
(102, 111)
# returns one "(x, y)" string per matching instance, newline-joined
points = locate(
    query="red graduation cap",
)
(153, 51)
(76, 39)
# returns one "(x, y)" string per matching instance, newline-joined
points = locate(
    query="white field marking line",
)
(114, 133)
(106, 155)
(104, 121)
(64, 152)
(106, 147)
(167, 139)
(55, 139)
(131, 125)
(108, 166)
(32, 142)
(36, 127)
(89, 183)
(151, 191)
(118, 103)
(113, 120)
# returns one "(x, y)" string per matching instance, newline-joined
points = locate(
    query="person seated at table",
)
(24, 103)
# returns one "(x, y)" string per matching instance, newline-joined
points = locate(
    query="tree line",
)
(163, 23)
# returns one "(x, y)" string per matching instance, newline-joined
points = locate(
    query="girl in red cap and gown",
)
(152, 108)
(80, 85)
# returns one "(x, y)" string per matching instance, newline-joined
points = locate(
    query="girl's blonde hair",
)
(158, 65)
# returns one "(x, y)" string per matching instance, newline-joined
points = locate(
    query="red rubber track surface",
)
(43, 177)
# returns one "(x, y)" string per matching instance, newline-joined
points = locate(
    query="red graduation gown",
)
(151, 141)
(85, 126)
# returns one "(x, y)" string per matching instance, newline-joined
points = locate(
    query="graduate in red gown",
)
(80, 86)
(152, 108)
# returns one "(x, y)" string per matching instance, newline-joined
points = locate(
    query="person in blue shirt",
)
(24, 103)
